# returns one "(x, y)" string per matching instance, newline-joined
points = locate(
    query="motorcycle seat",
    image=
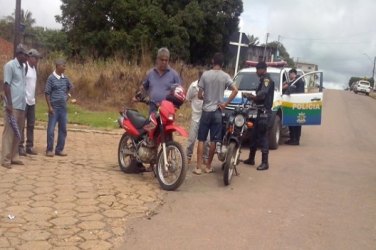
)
(136, 118)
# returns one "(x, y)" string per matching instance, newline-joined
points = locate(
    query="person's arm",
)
(6, 87)
(200, 94)
(8, 96)
(142, 92)
(192, 92)
(47, 93)
(234, 92)
(265, 86)
(69, 89)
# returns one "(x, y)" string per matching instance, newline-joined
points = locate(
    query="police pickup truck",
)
(288, 110)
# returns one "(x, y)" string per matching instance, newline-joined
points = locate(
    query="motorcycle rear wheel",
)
(229, 167)
(177, 166)
(127, 163)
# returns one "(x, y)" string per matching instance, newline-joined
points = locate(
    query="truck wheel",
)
(275, 133)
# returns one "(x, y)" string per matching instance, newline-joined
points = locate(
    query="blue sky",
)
(338, 35)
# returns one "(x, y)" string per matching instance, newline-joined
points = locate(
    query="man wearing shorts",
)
(212, 85)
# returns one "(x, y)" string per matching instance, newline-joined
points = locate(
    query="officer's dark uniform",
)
(260, 134)
(295, 131)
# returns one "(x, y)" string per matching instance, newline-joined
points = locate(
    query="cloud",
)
(333, 34)
(43, 11)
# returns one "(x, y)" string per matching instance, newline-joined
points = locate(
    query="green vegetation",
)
(81, 116)
(192, 30)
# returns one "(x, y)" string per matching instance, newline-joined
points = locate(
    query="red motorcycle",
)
(150, 141)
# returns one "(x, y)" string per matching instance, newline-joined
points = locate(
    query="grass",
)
(81, 116)
(106, 120)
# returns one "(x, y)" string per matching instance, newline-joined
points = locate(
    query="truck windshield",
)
(250, 80)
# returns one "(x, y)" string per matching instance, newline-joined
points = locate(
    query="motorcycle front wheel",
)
(230, 163)
(171, 174)
(127, 162)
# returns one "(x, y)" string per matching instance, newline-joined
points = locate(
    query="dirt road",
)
(320, 195)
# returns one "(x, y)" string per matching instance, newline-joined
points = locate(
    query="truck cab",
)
(288, 110)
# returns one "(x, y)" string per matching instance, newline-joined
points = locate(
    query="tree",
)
(192, 30)
(283, 54)
(253, 40)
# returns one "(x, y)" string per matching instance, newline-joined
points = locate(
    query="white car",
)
(288, 110)
(362, 86)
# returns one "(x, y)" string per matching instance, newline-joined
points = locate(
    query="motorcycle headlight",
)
(239, 120)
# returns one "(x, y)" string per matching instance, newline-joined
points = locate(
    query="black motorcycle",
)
(235, 124)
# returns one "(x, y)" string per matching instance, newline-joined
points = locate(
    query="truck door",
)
(304, 108)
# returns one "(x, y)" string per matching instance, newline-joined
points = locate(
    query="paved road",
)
(320, 195)
(81, 201)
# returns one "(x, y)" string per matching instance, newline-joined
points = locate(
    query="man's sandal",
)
(209, 170)
(197, 171)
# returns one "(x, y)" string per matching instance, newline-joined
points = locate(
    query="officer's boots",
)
(264, 162)
(251, 159)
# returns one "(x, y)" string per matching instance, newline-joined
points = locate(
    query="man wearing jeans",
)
(57, 94)
(31, 81)
(212, 86)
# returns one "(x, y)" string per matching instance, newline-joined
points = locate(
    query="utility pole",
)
(373, 71)
(278, 45)
(17, 24)
(266, 44)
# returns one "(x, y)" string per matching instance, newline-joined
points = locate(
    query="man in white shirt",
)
(196, 105)
(31, 81)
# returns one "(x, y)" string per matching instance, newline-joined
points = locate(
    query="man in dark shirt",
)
(260, 135)
(57, 94)
(290, 88)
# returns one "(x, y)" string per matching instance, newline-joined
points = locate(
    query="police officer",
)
(264, 98)
(296, 88)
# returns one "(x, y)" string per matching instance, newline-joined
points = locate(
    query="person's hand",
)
(134, 99)
(50, 111)
(9, 109)
(249, 96)
(222, 106)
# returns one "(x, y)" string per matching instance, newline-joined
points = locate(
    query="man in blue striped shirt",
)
(57, 94)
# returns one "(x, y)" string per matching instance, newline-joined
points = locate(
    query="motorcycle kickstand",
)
(236, 171)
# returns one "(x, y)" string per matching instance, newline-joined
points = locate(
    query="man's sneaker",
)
(17, 162)
(6, 165)
(31, 151)
(61, 153)
(49, 154)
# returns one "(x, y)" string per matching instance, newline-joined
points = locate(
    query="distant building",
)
(307, 67)
(256, 53)
(311, 80)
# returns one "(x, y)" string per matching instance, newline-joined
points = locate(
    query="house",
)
(308, 67)
(256, 53)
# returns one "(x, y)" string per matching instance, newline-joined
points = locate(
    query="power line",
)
(355, 35)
